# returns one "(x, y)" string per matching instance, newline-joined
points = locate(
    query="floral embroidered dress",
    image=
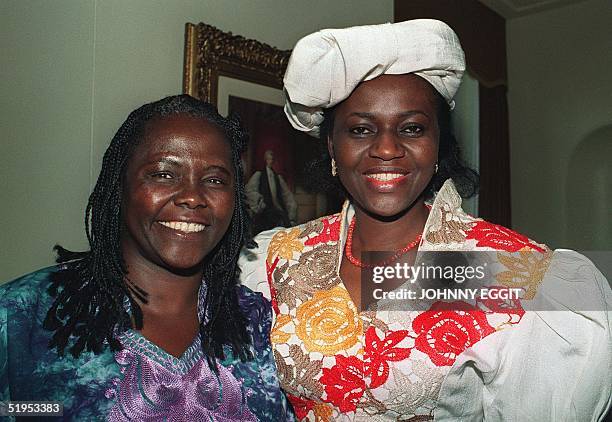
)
(141, 382)
(470, 361)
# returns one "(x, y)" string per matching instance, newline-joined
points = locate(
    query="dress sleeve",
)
(252, 263)
(266, 398)
(555, 365)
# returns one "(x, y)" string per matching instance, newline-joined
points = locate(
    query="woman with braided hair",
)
(151, 316)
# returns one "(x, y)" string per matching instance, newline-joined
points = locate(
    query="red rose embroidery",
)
(344, 383)
(269, 270)
(498, 237)
(447, 329)
(301, 406)
(330, 232)
(381, 351)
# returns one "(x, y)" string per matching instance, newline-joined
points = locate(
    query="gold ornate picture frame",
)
(211, 53)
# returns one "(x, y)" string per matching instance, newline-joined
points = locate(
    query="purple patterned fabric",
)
(142, 382)
(150, 391)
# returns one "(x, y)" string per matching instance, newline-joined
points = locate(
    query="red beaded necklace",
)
(348, 250)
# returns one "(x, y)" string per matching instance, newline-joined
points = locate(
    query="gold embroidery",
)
(322, 412)
(329, 322)
(526, 270)
(284, 244)
(278, 336)
(451, 229)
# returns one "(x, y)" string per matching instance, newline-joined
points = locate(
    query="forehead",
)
(384, 92)
(181, 133)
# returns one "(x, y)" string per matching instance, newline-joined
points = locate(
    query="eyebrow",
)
(219, 168)
(366, 115)
(176, 162)
(168, 160)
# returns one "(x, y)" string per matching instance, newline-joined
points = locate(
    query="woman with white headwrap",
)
(380, 96)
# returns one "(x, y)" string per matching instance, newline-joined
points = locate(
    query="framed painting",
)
(244, 76)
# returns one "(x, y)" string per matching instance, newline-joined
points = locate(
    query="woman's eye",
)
(413, 130)
(215, 181)
(360, 131)
(162, 175)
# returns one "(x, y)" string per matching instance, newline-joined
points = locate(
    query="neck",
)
(167, 293)
(388, 234)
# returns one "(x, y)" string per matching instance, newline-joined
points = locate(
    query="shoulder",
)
(572, 282)
(449, 227)
(283, 243)
(28, 290)
(291, 242)
(561, 343)
(454, 229)
(489, 235)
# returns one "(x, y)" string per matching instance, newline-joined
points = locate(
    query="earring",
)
(334, 169)
(436, 168)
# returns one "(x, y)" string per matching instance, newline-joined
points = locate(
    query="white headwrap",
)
(325, 67)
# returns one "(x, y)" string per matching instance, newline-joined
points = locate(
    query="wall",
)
(560, 102)
(73, 69)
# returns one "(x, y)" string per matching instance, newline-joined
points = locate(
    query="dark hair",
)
(450, 164)
(90, 290)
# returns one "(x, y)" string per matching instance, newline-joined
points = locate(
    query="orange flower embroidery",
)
(277, 335)
(284, 244)
(328, 323)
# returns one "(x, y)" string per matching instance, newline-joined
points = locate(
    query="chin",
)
(184, 266)
(389, 206)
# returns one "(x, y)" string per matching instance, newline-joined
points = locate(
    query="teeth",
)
(183, 227)
(384, 177)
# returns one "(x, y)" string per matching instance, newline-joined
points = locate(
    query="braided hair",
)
(90, 289)
(450, 163)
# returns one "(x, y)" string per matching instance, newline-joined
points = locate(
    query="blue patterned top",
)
(140, 382)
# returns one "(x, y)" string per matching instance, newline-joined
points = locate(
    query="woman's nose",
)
(191, 195)
(387, 146)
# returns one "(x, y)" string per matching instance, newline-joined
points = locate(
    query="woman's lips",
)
(385, 181)
(189, 231)
(183, 226)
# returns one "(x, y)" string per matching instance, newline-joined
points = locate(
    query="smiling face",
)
(385, 139)
(178, 195)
